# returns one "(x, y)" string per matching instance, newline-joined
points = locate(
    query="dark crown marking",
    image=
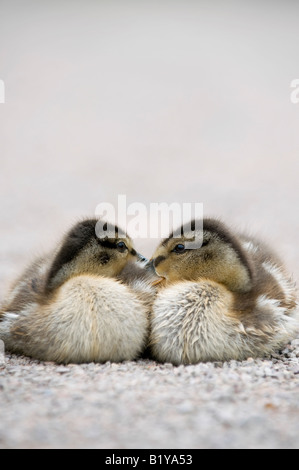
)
(73, 243)
(77, 238)
(214, 226)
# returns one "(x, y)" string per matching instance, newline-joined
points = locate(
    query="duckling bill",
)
(231, 298)
(74, 305)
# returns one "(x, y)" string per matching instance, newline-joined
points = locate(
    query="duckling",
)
(228, 298)
(74, 305)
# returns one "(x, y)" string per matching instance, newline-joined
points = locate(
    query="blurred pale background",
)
(179, 101)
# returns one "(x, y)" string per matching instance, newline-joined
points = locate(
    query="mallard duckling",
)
(229, 298)
(69, 307)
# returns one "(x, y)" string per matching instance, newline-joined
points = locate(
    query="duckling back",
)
(195, 322)
(89, 319)
(272, 281)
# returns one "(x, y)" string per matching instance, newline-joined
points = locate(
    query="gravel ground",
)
(148, 405)
(164, 102)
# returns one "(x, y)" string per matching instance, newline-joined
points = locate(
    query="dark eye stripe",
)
(107, 243)
(159, 260)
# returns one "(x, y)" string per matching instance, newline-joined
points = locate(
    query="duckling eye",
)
(121, 246)
(180, 248)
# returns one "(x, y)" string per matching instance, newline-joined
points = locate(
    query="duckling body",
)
(228, 299)
(69, 307)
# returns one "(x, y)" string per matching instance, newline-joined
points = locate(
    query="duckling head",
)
(90, 248)
(219, 257)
